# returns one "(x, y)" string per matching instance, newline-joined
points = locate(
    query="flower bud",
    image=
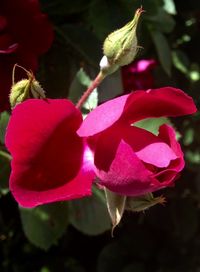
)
(120, 47)
(25, 89)
(107, 68)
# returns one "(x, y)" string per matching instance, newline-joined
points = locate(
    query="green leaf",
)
(92, 101)
(170, 7)
(83, 78)
(89, 215)
(110, 87)
(79, 84)
(106, 16)
(163, 50)
(4, 118)
(193, 156)
(76, 88)
(44, 225)
(56, 71)
(83, 42)
(152, 124)
(58, 8)
(161, 21)
(188, 137)
(4, 174)
(181, 61)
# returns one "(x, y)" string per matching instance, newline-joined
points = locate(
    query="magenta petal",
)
(166, 178)
(103, 116)
(78, 187)
(148, 147)
(168, 135)
(157, 154)
(47, 153)
(138, 105)
(144, 65)
(127, 174)
(165, 101)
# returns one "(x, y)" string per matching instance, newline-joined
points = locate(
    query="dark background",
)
(164, 238)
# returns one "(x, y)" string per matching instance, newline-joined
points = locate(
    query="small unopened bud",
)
(120, 47)
(25, 89)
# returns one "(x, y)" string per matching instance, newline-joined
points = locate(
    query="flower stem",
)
(95, 83)
(5, 155)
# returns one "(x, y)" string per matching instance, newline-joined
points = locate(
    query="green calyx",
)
(120, 47)
(144, 202)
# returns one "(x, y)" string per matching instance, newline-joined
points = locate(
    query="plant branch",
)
(95, 83)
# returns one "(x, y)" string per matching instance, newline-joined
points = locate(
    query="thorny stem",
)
(95, 83)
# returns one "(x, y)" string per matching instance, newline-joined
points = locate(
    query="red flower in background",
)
(138, 75)
(25, 34)
(130, 160)
(50, 161)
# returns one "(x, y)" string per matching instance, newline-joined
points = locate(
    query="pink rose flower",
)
(50, 161)
(138, 75)
(56, 155)
(25, 34)
(130, 160)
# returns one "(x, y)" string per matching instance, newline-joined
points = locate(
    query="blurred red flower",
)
(25, 34)
(138, 75)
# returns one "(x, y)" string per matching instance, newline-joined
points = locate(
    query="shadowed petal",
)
(47, 153)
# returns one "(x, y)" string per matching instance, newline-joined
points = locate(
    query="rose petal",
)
(78, 187)
(148, 147)
(165, 101)
(127, 174)
(138, 105)
(168, 135)
(47, 153)
(103, 116)
(166, 178)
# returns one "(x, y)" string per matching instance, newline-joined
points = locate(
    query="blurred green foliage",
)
(164, 239)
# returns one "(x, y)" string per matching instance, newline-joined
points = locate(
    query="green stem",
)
(95, 83)
(5, 155)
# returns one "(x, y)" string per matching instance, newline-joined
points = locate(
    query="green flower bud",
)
(120, 47)
(107, 68)
(25, 89)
